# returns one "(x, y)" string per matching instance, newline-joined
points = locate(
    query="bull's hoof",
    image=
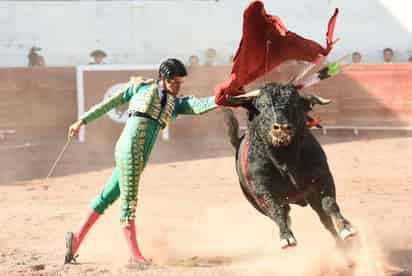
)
(288, 242)
(347, 233)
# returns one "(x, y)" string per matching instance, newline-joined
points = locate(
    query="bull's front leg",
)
(329, 205)
(343, 226)
(277, 212)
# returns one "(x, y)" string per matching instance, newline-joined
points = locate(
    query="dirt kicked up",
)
(193, 220)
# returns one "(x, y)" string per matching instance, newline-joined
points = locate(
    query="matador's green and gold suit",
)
(150, 109)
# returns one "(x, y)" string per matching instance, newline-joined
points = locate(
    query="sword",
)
(59, 157)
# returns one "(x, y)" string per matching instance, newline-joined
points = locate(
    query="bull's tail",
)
(232, 127)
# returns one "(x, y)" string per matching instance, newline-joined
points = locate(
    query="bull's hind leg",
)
(329, 206)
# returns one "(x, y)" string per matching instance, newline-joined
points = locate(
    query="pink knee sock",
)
(84, 227)
(130, 235)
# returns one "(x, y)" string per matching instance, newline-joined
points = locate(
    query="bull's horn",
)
(250, 94)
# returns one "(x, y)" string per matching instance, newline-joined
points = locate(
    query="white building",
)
(147, 31)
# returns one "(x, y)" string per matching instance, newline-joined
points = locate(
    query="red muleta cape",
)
(263, 32)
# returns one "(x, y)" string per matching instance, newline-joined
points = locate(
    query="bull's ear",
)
(306, 103)
(252, 111)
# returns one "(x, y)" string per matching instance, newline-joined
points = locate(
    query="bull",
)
(279, 162)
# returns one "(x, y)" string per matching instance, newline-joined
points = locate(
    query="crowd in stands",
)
(387, 57)
(98, 57)
(210, 58)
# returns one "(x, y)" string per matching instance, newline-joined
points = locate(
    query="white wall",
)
(371, 25)
(147, 31)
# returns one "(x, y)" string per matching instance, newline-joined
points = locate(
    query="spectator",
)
(211, 56)
(410, 59)
(193, 61)
(387, 55)
(356, 57)
(36, 60)
(98, 56)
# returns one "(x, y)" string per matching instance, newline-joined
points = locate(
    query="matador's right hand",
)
(74, 129)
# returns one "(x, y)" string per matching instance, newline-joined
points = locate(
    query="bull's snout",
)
(281, 134)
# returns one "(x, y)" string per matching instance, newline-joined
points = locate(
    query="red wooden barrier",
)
(41, 102)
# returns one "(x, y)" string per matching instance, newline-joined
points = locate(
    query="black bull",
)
(279, 162)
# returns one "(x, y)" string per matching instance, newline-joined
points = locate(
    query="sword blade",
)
(58, 158)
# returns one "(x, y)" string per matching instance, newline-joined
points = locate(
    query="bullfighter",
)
(153, 104)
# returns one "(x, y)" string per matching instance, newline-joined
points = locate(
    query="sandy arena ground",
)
(194, 220)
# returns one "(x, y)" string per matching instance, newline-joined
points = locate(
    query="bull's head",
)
(277, 110)
(279, 113)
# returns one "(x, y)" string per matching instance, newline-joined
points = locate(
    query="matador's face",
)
(173, 85)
